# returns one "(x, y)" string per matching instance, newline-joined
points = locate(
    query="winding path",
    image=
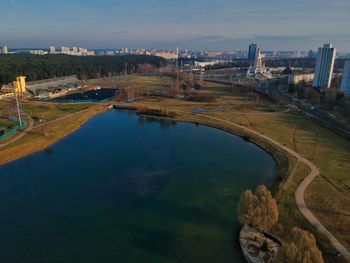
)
(300, 192)
(31, 126)
(19, 136)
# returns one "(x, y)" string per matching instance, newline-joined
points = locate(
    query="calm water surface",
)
(127, 189)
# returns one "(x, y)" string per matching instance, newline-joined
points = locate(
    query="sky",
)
(191, 24)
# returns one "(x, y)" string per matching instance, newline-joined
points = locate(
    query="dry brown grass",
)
(35, 140)
(329, 196)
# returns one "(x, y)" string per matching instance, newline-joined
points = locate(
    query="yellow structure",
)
(20, 84)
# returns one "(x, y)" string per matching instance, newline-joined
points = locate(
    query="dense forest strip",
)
(36, 67)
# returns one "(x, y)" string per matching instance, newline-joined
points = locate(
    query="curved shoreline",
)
(50, 141)
(299, 194)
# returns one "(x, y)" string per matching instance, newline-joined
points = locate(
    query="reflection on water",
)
(129, 189)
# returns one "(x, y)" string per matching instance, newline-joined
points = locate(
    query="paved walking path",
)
(300, 192)
(31, 126)
(19, 136)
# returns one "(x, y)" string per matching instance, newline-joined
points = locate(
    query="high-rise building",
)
(252, 52)
(52, 50)
(324, 66)
(345, 82)
(4, 50)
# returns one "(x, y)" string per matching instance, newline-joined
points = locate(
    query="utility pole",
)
(294, 141)
(126, 70)
(44, 126)
(177, 71)
(316, 140)
(201, 76)
(191, 75)
(18, 111)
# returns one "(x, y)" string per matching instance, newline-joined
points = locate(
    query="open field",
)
(137, 81)
(329, 195)
(50, 111)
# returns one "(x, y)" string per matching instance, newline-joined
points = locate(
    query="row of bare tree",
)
(260, 210)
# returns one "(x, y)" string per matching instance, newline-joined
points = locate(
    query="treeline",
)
(301, 63)
(49, 66)
(285, 62)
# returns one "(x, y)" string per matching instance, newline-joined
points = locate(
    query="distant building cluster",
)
(257, 67)
(320, 78)
(324, 71)
(169, 55)
(298, 77)
(73, 51)
(166, 54)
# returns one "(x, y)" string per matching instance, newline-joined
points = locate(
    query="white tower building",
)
(4, 50)
(52, 50)
(324, 66)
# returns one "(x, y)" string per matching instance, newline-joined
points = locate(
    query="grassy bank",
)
(36, 139)
(328, 197)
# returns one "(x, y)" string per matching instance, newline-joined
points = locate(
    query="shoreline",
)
(279, 157)
(281, 154)
(47, 142)
(267, 147)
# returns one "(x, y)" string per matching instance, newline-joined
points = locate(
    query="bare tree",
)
(258, 209)
(146, 68)
(300, 247)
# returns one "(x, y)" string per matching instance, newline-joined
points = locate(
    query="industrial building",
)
(50, 87)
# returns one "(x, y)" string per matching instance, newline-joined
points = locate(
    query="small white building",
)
(296, 78)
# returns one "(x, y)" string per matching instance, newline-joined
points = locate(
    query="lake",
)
(129, 189)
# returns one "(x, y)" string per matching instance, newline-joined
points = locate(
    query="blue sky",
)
(193, 24)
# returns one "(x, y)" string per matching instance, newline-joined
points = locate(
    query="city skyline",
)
(221, 25)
